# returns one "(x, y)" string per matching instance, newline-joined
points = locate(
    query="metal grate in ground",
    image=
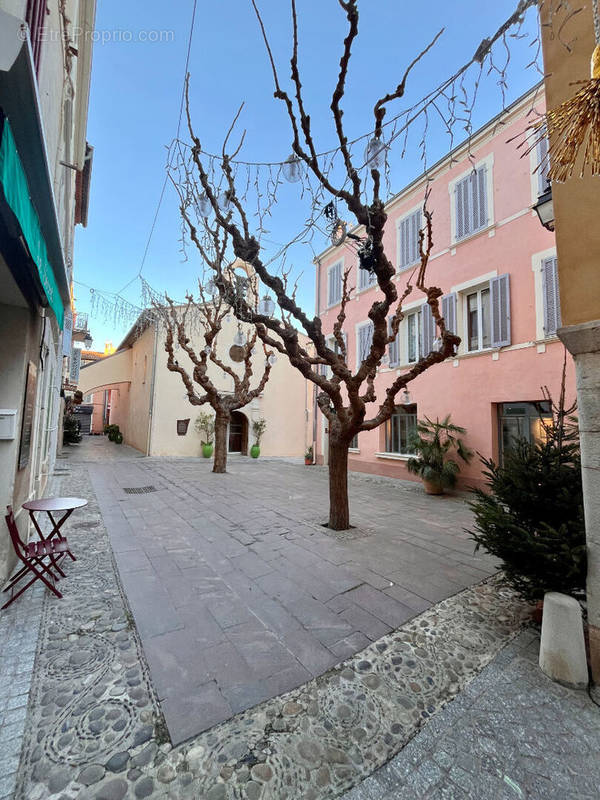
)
(140, 489)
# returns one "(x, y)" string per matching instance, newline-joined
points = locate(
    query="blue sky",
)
(134, 106)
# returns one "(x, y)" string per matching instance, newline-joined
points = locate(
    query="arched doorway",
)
(238, 433)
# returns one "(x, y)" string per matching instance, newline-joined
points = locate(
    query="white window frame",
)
(416, 313)
(399, 222)
(393, 453)
(488, 162)
(465, 295)
(329, 268)
(537, 265)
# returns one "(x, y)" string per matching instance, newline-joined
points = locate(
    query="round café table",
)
(54, 505)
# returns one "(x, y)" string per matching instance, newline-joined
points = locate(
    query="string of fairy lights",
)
(258, 183)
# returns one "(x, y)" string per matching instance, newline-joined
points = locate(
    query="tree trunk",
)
(221, 444)
(339, 511)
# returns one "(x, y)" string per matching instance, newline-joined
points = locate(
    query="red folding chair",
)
(33, 555)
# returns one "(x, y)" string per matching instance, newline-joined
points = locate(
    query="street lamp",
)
(266, 306)
(544, 208)
(88, 341)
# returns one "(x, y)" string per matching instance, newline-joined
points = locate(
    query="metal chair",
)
(33, 554)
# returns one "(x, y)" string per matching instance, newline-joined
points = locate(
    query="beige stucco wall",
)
(576, 202)
(284, 403)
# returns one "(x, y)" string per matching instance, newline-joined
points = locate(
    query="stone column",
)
(583, 342)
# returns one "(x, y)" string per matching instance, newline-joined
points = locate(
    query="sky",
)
(137, 78)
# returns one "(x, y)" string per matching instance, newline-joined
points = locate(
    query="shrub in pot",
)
(205, 426)
(113, 432)
(530, 515)
(308, 456)
(118, 439)
(435, 445)
(258, 428)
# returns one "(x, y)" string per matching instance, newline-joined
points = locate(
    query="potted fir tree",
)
(432, 444)
(205, 425)
(258, 428)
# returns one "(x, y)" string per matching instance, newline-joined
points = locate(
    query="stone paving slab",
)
(95, 730)
(511, 734)
(245, 558)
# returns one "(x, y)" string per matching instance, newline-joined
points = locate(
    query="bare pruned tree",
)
(346, 393)
(207, 313)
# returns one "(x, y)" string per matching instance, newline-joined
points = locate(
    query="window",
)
(393, 347)
(334, 345)
(487, 315)
(354, 443)
(366, 278)
(471, 204)
(552, 319)
(334, 284)
(365, 340)
(89, 398)
(408, 239)
(399, 429)
(413, 337)
(35, 14)
(522, 421)
(478, 320)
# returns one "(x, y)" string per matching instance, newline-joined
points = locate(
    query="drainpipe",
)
(152, 385)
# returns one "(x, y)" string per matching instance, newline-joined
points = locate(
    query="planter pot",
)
(308, 462)
(255, 451)
(433, 487)
(207, 450)
(118, 438)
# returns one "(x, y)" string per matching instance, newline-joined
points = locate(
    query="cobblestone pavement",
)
(240, 595)
(94, 727)
(511, 734)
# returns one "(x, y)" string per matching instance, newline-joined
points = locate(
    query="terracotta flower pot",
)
(433, 487)
(308, 462)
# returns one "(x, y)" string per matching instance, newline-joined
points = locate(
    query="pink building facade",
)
(497, 267)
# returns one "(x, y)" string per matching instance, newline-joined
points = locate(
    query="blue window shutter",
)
(449, 311)
(542, 160)
(480, 208)
(462, 193)
(550, 292)
(500, 307)
(335, 284)
(427, 329)
(365, 339)
(393, 347)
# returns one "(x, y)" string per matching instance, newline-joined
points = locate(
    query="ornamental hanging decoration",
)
(339, 233)
(291, 169)
(574, 127)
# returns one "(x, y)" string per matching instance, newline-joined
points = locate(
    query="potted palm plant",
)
(205, 426)
(435, 444)
(258, 429)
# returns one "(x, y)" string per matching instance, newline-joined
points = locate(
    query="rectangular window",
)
(334, 345)
(399, 429)
(354, 443)
(543, 164)
(413, 336)
(393, 347)
(365, 340)
(527, 421)
(471, 206)
(408, 240)
(334, 288)
(366, 278)
(478, 320)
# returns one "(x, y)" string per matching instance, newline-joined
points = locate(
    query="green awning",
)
(18, 197)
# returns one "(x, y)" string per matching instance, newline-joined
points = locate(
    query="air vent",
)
(140, 489)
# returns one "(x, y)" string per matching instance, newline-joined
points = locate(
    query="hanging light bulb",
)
(437, 345)
(266, 306)
(203, 206)
(210, 286)
(208, 349)
(406, 398)
(239, 339)
(291, 169)
(375, 153)
(224, 202)
(272, 359)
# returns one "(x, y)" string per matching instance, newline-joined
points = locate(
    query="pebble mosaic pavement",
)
(95, 731)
